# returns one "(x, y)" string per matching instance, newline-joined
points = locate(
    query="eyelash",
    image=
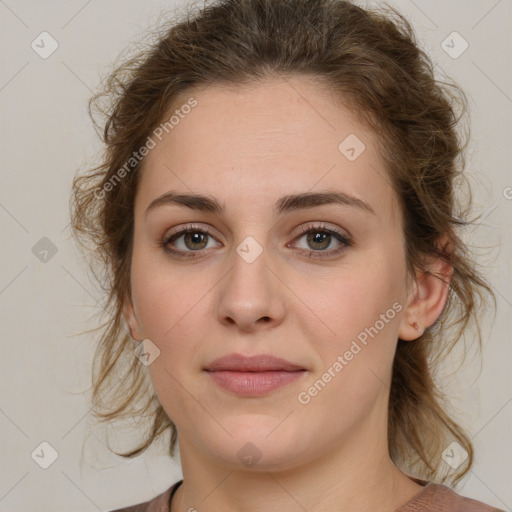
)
(164, 243)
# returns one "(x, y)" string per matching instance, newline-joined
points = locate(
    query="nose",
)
(251, 295)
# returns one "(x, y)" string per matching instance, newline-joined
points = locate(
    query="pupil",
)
(318, 237)
(196, 238)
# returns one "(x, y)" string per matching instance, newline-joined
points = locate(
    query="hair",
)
(371, 61)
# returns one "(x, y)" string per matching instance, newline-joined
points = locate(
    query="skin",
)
(248, 146)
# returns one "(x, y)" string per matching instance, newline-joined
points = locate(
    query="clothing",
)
(432, 498)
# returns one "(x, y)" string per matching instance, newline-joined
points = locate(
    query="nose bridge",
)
(250, 292)
(251, 260)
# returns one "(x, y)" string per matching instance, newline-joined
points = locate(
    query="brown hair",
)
(371, 61)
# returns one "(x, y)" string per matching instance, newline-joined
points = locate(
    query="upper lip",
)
(257, 363)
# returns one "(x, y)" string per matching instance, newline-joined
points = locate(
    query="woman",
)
(277, 219)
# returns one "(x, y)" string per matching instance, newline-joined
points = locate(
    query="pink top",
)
(432, 498)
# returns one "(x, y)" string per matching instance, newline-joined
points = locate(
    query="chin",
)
(259, 443)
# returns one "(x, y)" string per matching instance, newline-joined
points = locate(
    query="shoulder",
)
(440, 498)
(159, 503)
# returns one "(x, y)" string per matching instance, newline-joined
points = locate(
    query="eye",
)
(319, 237)
(194, 240)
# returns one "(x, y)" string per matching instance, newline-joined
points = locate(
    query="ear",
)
(131, 320)
(430, 292)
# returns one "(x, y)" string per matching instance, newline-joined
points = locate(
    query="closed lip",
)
(256, 363)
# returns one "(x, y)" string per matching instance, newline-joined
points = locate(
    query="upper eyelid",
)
(209, 229)
(187, 227)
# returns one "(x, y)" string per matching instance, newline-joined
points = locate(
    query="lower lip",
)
(254, 383)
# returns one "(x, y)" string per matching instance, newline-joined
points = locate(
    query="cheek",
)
(356, 354)
(358, 312)
(165, 298)
(358, 298)
(168, 304)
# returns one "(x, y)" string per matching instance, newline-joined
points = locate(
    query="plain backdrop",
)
(47, 296)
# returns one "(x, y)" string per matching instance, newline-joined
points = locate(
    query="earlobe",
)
(131, 320)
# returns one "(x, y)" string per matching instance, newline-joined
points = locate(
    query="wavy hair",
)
(371, 61)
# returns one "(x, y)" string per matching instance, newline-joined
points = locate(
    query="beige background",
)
(46, 136)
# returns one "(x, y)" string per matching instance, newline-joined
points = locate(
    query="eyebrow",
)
(283, 205)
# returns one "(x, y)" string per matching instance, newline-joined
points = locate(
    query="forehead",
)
(262, 141)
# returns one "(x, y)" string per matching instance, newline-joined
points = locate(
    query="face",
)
(319, 282)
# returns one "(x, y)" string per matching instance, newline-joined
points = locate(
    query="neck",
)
(357, 476)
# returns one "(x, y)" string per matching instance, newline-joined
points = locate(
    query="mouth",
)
(253, 375)
(256, 363)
